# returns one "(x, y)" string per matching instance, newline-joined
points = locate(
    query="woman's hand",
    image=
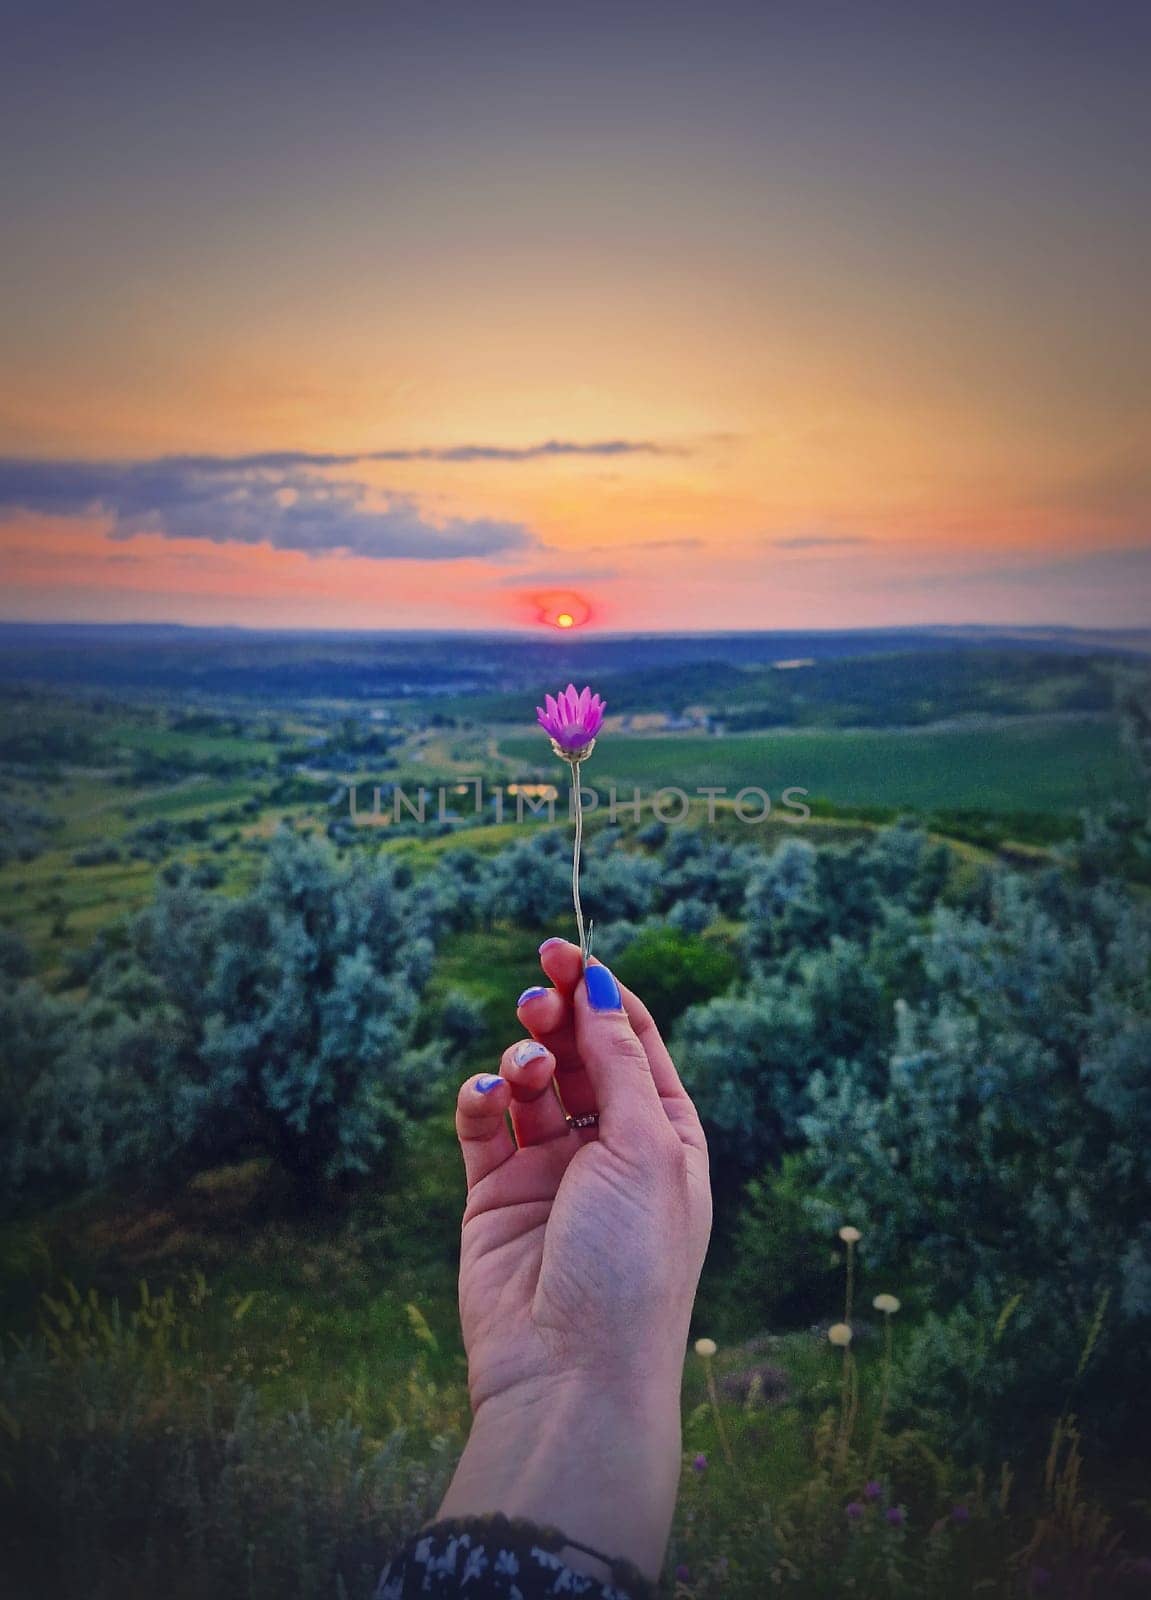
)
(581, 1252)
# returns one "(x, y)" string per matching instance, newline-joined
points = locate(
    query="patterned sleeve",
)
(498, 1558)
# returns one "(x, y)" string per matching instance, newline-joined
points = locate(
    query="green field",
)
(1022, 779)
(1026, 765)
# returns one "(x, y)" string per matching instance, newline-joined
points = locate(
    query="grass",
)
(1034, 765)
(189, 747)
(493, 967)
(189, 798)
(56, 904)
(148, 1445)
(311, 1310)
(228, 1404)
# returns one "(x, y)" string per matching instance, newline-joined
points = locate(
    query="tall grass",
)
(133, 1466)
(133, 1463)
(816, 1498)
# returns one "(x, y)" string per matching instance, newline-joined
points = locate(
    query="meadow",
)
(1040, 765)
(230, 1359)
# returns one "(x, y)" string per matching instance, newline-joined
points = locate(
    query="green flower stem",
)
(713, 1394)
(850, 1292)
(884, 1393)
(584, 945)
(848, 1411)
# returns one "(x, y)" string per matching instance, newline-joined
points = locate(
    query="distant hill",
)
(901, 688)
(276, 666)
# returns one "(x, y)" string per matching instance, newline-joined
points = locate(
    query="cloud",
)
(818, 541)
(277, 500)
(279, 460)
(1129, 564)
(641, 547)
(278, 497)
(558, 580)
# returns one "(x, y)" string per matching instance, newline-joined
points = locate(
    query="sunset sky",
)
(425, 313)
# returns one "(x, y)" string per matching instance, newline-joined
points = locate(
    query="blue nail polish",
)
(530, 994)
(487, 1083)
(602, 990)
(528, 1051)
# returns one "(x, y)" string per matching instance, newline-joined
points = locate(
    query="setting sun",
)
(562, 609)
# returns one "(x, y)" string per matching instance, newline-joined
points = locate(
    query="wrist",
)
(600, 1460)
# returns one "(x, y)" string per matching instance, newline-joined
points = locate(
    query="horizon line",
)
(572, 636)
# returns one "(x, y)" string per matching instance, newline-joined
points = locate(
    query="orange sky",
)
(870, 311)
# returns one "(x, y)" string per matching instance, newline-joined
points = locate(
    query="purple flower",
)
(572, 718)
(873, 1490)
(682, 1575)
(700, 1463)
(960, 1514)
(896, 1516)
(854, 1510)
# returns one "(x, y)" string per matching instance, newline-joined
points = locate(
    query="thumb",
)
(614, 1058)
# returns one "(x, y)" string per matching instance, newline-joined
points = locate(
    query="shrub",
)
(697, 867)
(279, 1021)
(15, 960)
(619, 887)
(530, 882)
(692, 915)
(96, 855)
(673, 970)
(749, 1058)
(1007, 1138)
(462, 1021)
(781, 1269)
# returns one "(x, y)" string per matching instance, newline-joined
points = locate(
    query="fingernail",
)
(547, 944)
(528, 1051)
(487, 1083)
(530, 994)
(602, 990)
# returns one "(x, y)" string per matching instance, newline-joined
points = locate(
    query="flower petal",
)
(572, 717)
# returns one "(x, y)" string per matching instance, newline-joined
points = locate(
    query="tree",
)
(530, 883)
(622, 886)
(1007, 1139)
(705, 869)
(15, 961)
(289, 1011)
(49, 1142)
(462, 1021)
